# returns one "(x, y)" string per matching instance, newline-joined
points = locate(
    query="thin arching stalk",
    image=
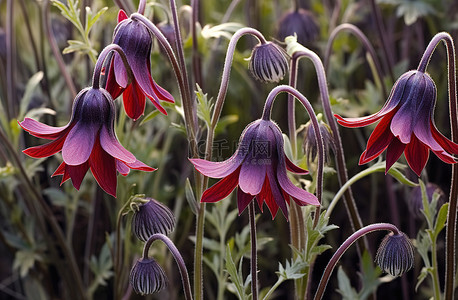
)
(450, 234)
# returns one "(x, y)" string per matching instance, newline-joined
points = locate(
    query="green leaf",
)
(345, 288)
(234, 276)
(90, 20)
(24, 260)
(190, 197)
(396, 173)
(423, 274)
(204, 106)
(150, 116)
(441, 219)
(369, 276)
(29, 89)
(101, 267)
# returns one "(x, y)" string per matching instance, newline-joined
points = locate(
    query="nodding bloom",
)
(147, 277)
(300, 23)
(395, 254)
(406, 125)
(268, 62)
(258, 168)
(150, 218)
(88, 141)
(310, 146)
(135, 40)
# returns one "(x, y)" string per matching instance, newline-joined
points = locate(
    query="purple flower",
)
(406, 125)
(258, 167)
(136, 41)
(300, 22)
(147, 277)
(395, 254)
(88, 141)
(268, 62)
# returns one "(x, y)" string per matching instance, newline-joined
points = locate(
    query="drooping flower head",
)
(395, 254)
(147, 277)
(258, 168)
(310, 146)
(150, 218)
(406, 125)
(268, 62)
(300, 23)
(88, 141)
(136, 42)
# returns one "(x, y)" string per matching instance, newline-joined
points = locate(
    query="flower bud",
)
(147, 277)
(268, 62)
(310, 146)
(395, 254)
(150, 218)
(415, 201)
(300, 23)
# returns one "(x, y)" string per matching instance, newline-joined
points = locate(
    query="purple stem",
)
(350, 204)
(452, 209)
(254, 254)
(100, 60)
(141, 7)
(178, 258)
(344, 247)
(319, 139)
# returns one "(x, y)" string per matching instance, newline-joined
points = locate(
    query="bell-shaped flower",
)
(406, 125)
(268, 62)
(88, 141)
(135, 40)
(258, 168)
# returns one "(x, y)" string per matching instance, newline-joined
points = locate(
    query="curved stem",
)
(55, 50)
(254, 254)
(141, 7)
(291, 106)
(101, 59)
(350, 204)
(344, 247)
(10, 62)
(208, 151)
(366, 43)
(452, 209)
(178, 258)
(319, 139)
(179, 73)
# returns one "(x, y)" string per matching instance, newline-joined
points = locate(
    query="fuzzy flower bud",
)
(147, 277)
(268, 62)
(300, 23)
(150, 218)
(310, 146)
(395, 254)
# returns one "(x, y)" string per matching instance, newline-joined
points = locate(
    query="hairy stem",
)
(452, 209)
(254, 254)
(344, 247)
(178, 258)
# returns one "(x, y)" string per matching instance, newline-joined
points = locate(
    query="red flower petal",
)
(243, 199)
(103, 167)
(393, 152)
(222, 188)
(276, 196)
(293, 168)
(378, 141)
(122, 16)
(138, 165)
(77, 173)
(134, 101)
(46, 149)
(416, 154)
(445, 143)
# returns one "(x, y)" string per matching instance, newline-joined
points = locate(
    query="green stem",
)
(435, 272)
(273, 288)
